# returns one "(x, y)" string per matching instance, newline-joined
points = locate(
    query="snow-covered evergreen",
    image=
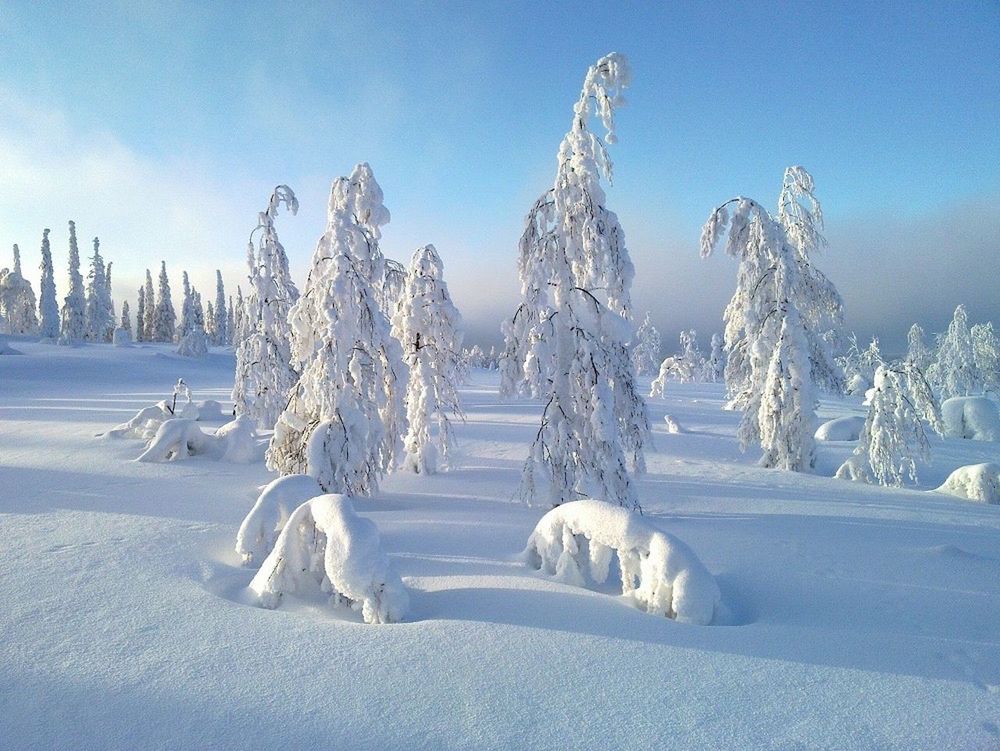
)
(264, 371)
(428, 326)
(893, 436)
(230, 323)
(149, 317)
(568, 341)
(187, 307)
(17, 300)
(953, 372)
(344, 417)
(164, 318)
(781, 323)
(986, 356)
(48, 308)
(716, 364)
(123, 333)
(917, 350)
(140, 314)
(73, 316)
(239, 318)
(219, 325)
(100, 319)
(646, 351)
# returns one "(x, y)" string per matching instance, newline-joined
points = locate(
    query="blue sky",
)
(161, 127)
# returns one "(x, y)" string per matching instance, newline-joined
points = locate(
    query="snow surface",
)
(860, 617)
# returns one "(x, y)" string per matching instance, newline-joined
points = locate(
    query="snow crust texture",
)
(975, 482)
(579, 540)
(259, 530)
(326, 546)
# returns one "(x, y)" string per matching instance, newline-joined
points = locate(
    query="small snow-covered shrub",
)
(326, 547)
(180, 438)
(855, 469)
(193, 344)
(122, 337)
(975, 482)
(973, 417)
(268, 517)
(841, 429)
(672, 425)
(661, 573)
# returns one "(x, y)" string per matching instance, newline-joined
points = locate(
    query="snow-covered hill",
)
(857, 617)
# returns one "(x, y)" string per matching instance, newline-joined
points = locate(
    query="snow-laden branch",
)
(274, 506)
(578, 542)
(326, 547)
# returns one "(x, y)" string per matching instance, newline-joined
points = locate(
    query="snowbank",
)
(180, 438)
(974, 482)
(973, 417)
(325, 546)
(268, 517)
(841, 429)
(659, 571)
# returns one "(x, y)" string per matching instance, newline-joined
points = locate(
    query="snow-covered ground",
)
(858, 617)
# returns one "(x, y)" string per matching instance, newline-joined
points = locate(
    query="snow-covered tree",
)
(986, 355)
(264, 371)
(73, 327)
(100, 320)
(126, 322)
(687, 366)
(427, 325)
(210, 322)
(568, 341)
(893, 436)
(917, 350)
(716, 363)
(149, 316)
(781, 322)
(187, 305)
(230, 323)
(646, 352)
(344, 417)
(164, 317)
(140, 315)
(111, 297)
(953, 372)
(48, 308)
(17, 300)
(239, 317)
(219, 325)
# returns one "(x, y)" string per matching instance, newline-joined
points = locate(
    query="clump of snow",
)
(672, 425)
(975, 482)
(268, 517)
(180, 438)
(841, 429)
(973, 417)
(659, 571)
(326, 547)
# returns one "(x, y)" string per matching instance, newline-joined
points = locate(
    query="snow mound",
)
(661, 573)
(194, 344)
(147, 421)
(858, 384)
(973, 417)
(180, 438)
(672, 425)
(841, 429)
(210, 410)
(855, 469)
(975, 482)
(325, 546)
(268, 517)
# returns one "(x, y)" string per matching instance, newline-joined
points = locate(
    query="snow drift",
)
(974, 482)
(973, 417)
(325, 546)
(841, 429)
(658, 571)
(181, 438)
(268, 517)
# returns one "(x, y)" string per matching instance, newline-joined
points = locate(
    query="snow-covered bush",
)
(194, 343)
(975, 482)
(73, 326)
(672, 425)
(264, 370)
(841, 429)
(646, 350)
(17, 300)
(859, 365)
(893, 435)
(659, 384)
(577, 543)
(344, 416)
(274, 506)
(326, 547)
(568, 342)
(428, 326)
(179, 438)
(782, 321)
(973, 417)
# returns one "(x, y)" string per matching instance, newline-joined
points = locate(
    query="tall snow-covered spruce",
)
(569, 340)
(17, 299)
(73, 327)
(164, 318)
(100, 318)
(264, 371)
(781, 323)
(48, 308)
(427, 325)
(219, 327)
(647, 347)
(344, 417)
